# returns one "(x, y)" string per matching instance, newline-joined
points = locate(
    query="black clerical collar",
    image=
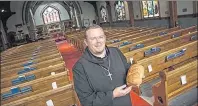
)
(99, 58)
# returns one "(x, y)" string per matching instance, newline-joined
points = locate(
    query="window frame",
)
(54, 21)
(107, 20)
(148, 18)
(116, 12)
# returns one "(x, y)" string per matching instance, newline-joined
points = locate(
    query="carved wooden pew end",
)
(174, 83)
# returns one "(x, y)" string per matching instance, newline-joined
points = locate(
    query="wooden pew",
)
(37, 86)
(62, 96)
(154, 64)
(36, 66)
(148, 40)
(158, 62)
(25, 47)
(171, 85)
(127, 33)
(28, 57)
(38, 60)
(139, 54)
(76, 39)
(34, 58)
(125, 38)
(16, 49)
(40, 73)
(27, 52)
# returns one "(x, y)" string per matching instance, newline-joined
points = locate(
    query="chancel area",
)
(41, 41)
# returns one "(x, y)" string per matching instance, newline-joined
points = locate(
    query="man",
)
(100, 73)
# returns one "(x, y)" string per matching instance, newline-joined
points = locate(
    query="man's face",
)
(95, 40)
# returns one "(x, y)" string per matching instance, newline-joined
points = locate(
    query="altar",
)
(53, 30)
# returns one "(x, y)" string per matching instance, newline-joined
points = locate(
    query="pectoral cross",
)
(109, 75)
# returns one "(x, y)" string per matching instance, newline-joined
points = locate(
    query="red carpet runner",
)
(71, 55)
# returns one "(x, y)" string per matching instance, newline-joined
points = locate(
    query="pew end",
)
(159, 90)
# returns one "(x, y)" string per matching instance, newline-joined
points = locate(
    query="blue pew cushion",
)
(116, 40)
(138, 46)
(124, 43)
(19, 80)
(151, 51)
(15, 90)
(34, 54)
(176, 35)
(6, 95)
(193, 37)
(30, 77)
(26, 70)
(175, 55)
(162, 33)
(16, 81)
(32, 58)
(26, 89)
(28, 63)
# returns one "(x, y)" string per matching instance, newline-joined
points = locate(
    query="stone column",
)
(108, 6)
(33, 34)
(131, 12)
(3, 36)
(76, 17)
(173, 14)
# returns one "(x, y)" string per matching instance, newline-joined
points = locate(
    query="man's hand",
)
(121, 91)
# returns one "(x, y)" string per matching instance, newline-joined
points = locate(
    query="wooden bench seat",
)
(171, 84)
(62, 96)
(23, 48)
(36, 61)
(126, 33)
(134, 35)
(139, 54)
(25, 57)
(37, 86)
(33, 66)
(156, 39)
(40, 73)
(158, 62)
(35, 58)
(76, 39)
(154, 64)
(21, 54)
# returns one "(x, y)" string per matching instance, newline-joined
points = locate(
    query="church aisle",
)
(71, 55)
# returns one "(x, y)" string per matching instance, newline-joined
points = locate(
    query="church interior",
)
(42, 40)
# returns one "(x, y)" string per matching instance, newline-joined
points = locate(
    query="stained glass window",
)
(50, 15)
(150, 8)
(103, 14)
(120, 10)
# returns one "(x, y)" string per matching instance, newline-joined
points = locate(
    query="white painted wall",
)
(16, 6)
(184, 4)
(136, 9)
(88, 12)
(126, 10)
(112, 10)
(38, 14)
(164, 8)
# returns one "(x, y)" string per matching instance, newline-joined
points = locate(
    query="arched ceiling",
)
(27, 5)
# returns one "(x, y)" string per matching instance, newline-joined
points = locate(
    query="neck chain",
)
(109, 74)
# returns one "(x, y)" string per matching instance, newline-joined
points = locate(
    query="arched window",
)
(150, 8)
(51, 15)
(103, 14)
(120, 10)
